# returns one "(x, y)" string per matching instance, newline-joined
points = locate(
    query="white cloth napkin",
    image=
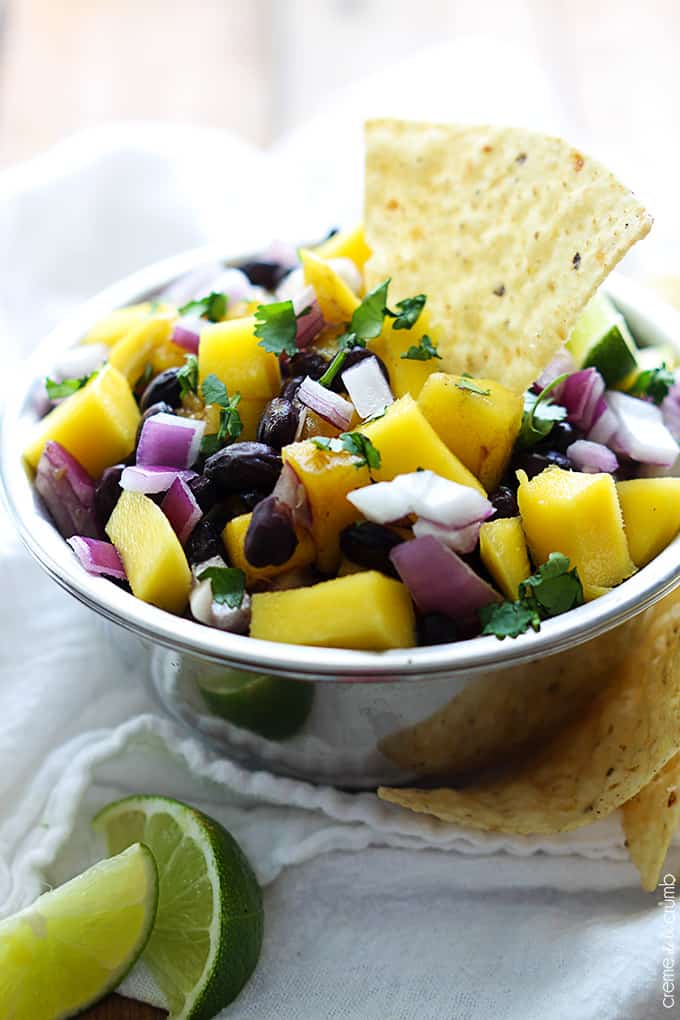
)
(366, 917)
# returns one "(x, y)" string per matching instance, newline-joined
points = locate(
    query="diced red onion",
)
(424, 493)
(186, 332)
(98, 557)
(67, 490)
(367, 387)
(439, 581)
(592, 458)
(561, 363)
(605, 424)
(460, 540)
(170, 440)
(309, 325)
(580, 394)
(670, 410)
(640, 432)
(181, 508)
(290, 491)
(150, 479)
(328, 405)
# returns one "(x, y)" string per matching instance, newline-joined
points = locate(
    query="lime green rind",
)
(601, 339)
(16, 1010)
(229, 942)
(273, 707)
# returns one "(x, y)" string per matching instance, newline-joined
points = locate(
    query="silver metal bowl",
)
(353, 719)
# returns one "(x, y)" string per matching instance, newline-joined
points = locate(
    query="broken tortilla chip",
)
(508, 232)
(649, 821)
(595, 764)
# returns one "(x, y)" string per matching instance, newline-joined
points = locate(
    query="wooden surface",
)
(117, 1008)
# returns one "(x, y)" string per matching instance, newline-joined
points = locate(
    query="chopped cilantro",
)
(465, 383)
(212, 307)
(276, 326)
(654, 383)
(214, 391)
(424, 350)
(552, 590)
(540, 414)
(335, 366)
(356, 443)
(67, 387)
(187, 376)
(409, 312)
(367, 320)
(154, 307)
(348, 340)
(228, 585)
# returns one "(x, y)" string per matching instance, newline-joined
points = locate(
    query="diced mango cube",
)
(231, 351)
(336, 301)
(327, 478)
(503, 550)
(131, 354)
(479, 427)
(578, 515)
(365, 611)
(348, 244)
(651, 515)
(153, 558)
(234, 536)
(167, 355)
(97, 424)
(407, 375)
(407, 441)
(118, 324)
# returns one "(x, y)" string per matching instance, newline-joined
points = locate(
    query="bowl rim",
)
(649, 318)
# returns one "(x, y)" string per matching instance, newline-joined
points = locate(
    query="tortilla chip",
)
(505, 713)
(508, 232)
(649, 821)
(595, 764)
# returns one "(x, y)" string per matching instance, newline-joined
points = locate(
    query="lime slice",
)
(208, 932)
(602, 339)
(76, 943)
(272, 706)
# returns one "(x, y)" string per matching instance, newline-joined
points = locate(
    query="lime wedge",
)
(208, 932)
(272, 706)
(602, 339)
(76, 943)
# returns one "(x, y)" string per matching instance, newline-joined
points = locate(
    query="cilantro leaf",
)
(508, 619)
(214, 391)
(212, 307)
(409, 311)
(228, 585)
(540, 414)
(276, 326)
(187, 376)
(335, 366)
(348, 340)
(552, 590)
(367, 320)
(67, 387)
(465, 383)
(356, 443)
(653, 383)
(424, 350)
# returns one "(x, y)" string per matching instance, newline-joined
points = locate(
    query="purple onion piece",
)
(67, 491)
(169, 440)
(439, 581)
(592, 458)
(181, 508)
(98, 557)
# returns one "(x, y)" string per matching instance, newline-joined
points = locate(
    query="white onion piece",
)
(605, 425)
(191, 285)
(79, 362)
(329, 405)
(170, 440)
(348, 272)
(655, 471)
(291, 285)
(205, 610)
(460, 540)
(592, 458)
(150, 480)
(367, 387)
(290, 491)
(234, 283)
(424, 493)
(309, 324)
(670, 410)
(641, 433)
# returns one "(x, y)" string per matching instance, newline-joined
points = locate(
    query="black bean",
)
(354, 356)
(158, 408)
(559, 438)
(436, 629)
(236, 504)
(290, 388)
(279, 423)
(107, 493)
(203, 543)
(504, 502)
(204, 490)
(165, 387)
(243, 466)
(533, 462)
(309, 363)
(369, 546)
(264, 273)
(252, 497)
(271, 537)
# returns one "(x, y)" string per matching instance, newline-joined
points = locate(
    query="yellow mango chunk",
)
(503, 549)
(167, 355)
(578, 515)
(249, 411)
(336, 300)
(97, 424)
(480, 428)
(367, 611)
(348, 244)
(651, 515)
(234, 536)
(153, 558)
(406, 441)
(118, 324)
(407, 375)
(135, 350)
(327, 478)
(231, 351)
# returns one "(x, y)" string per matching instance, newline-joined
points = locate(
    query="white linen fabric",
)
(371, 914)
